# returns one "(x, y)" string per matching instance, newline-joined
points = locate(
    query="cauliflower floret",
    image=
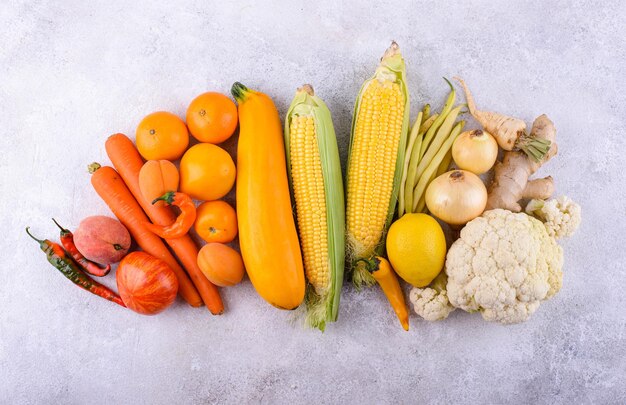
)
(561, 216)
(503, 265)
(431, 303)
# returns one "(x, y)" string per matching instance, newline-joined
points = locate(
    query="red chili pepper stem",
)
(63, 230)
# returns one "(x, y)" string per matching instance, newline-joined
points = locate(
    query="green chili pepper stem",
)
(167, 197)
(31, 235)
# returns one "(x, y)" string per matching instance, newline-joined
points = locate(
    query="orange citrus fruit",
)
(162, 136)
(207, 172)
(212, 117)
(216, 221)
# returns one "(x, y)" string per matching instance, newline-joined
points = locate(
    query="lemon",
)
(416, 247)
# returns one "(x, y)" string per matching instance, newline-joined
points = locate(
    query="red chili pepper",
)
(67, 240)
(183, 222)
(66, 265)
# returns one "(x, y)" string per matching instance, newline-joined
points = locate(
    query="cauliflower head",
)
(503, 265)
(431, 303)
(561, 216)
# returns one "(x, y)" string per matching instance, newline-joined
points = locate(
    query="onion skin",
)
(475, 151)
(456, 197)
(146, 284)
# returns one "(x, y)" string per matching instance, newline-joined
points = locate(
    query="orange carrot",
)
(128, 162)
(111, 188)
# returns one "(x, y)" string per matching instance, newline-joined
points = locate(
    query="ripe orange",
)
(212, 117)
(207, 172)
(221, 264)
(162, 136)
(216, 221)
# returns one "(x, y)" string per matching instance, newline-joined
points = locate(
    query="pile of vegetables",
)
(504, 263)
(142, 194)
(298, 230)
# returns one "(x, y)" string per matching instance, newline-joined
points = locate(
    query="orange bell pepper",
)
(183, 222)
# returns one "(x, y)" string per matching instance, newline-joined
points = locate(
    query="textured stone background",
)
(74, 73)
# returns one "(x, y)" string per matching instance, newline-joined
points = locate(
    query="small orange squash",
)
(156, 178)
(267, 230)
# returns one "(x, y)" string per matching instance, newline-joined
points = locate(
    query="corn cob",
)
(317, 189)
(376, 159)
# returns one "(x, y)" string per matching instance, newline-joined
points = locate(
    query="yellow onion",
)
(456, 197)
(475, 151)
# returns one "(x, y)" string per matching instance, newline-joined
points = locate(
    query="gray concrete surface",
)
(73, 72)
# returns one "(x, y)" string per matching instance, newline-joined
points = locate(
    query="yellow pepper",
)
(382, 272)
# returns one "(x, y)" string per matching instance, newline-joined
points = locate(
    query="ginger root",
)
(509, 132)
(511, 177)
